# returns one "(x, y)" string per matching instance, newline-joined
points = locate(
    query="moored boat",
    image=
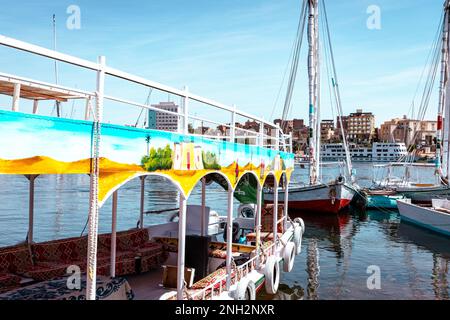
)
(319, 196)
(435, 218)
(323, 198)
(196, 254)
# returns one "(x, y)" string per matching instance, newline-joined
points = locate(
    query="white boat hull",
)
(426, 217)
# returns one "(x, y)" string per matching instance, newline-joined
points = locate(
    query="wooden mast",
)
(443, 122)
(313, 94)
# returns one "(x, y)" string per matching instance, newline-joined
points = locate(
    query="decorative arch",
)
(127, 179)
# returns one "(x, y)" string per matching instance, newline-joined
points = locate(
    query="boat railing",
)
(256, 131)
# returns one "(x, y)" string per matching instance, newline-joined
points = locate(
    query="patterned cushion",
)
(213, 277)
(64, 250)
(132, 239)
(154, 261)
(149, 249)
(9, 280)
(43, 271)
(267, 218)
(15, 259)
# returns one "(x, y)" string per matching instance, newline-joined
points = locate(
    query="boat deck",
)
(148, 285)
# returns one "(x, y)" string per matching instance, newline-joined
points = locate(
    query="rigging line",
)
(328, 73)
(147, 102)
(427, 61)
(434, 43)
(295, 60)
(337, 92)
(294, 66)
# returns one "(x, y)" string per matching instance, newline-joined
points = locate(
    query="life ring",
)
(272, 275)
(236, 229)
(245, 290)
(297, 239)
(247, 210)
(289, 252)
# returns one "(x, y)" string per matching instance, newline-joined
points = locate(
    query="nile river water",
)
(339, 253)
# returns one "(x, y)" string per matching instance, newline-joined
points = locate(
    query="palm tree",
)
(148, 139)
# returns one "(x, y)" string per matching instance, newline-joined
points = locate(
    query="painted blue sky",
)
(234, 51)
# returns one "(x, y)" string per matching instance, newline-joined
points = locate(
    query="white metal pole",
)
(286, 200)
(186, 111)
(275, 214)
(142, 205)
(203, 227)
(91, 278)
(258, 222)
(31, 179)
(87, 109)
(35, 106)
(232, 124)
(261, 134)
(229, 238)
(16, 97)
(277, 140)
(113, 235)
(181, 247)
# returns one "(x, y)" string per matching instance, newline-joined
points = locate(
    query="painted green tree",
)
(210, 161)
(158, 159)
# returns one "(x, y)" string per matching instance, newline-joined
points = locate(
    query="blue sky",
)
(234, 51)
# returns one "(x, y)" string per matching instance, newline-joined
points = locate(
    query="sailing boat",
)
(319, 197)
(423, 192)
(436, 217)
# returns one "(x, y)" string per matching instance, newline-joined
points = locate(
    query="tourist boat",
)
(378, 152)
(435, 218)
(318, 196)
(197, 254)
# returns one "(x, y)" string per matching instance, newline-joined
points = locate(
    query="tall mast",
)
(313, 77)
(442, 154)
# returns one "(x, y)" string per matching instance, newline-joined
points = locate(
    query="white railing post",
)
(258, 223)
(31, 179)
(142, 204)
(233, 124)
(181, 247)
(275, 214)
(204, 228)
(87, 109)
(291, 147)
(113, 234)
(261, 134)
(277, 139)
(91, 278)
(286, 200)
(229, 238)
(16, 97)
(35, 106)
(186, 111)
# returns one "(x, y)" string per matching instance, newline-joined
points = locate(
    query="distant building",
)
(361, 127)
(290, 125)
(326, 130)
(187, 156)
(161, 120)
(408, 131)
(338, 131)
